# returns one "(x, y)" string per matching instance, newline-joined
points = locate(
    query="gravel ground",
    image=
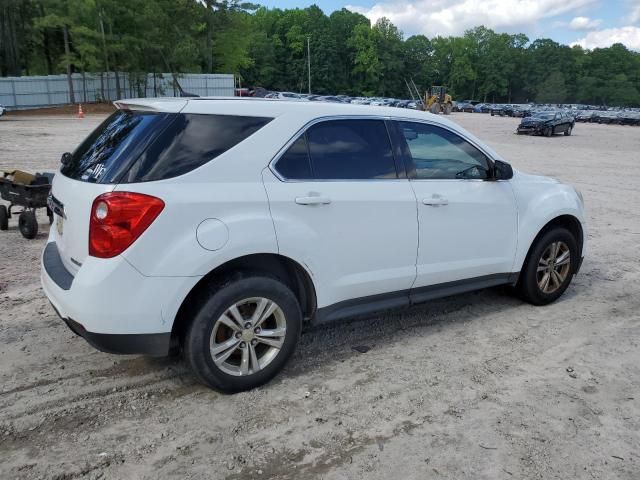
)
(478, 386)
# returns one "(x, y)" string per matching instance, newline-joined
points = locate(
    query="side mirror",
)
(66, 158)
(502, 170)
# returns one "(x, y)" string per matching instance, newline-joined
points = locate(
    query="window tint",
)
(440, 154)
(133, 146)
(294, 164)
(108, 151)
(351, 149)
(191, 141)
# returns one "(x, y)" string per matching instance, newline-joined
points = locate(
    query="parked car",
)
(629, 118)
(2, 110)
(500, 110)
(463, 106)
(606, 117)
(328, 98)
(293, 97)
(220, 227)
(584, 116)
(482, 108)
(519, 110)
(547, 123)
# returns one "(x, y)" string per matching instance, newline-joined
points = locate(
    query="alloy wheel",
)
(248, 336)
(553, 267)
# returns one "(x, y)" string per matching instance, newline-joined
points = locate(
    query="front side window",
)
(438, 153)
(351, 149)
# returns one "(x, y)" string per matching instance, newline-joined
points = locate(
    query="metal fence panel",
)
(18, 93)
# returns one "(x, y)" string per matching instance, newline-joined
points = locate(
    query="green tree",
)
(552, 89)
(268, 47)
(366, 70)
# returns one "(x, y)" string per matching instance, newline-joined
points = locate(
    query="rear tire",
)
(224, 316)
(548, 132)
(448, 109)
(4, 218)
(545, 274)
(435, 108)
(28, 224)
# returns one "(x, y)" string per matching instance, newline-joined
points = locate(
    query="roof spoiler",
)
(168, 104)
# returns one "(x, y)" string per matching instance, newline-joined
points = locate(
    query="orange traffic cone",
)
(80, 112)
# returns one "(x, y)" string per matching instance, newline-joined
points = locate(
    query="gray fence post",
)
(13, 91)
(48, 91)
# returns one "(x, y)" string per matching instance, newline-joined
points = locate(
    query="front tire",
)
(4, 218)
(242, 333)
(548, 132)
(549, 267)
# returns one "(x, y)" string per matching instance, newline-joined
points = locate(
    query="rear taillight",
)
(118, 219)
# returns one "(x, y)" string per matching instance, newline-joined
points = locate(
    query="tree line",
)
(268, 48)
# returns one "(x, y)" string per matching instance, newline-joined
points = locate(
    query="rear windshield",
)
(134, 146)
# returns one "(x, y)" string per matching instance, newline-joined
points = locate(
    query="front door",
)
(467, 223)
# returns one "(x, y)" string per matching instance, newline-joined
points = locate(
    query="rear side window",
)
(351, 149)
(189, 142)
(132, 147)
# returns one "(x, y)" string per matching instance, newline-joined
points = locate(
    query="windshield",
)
(544, 116)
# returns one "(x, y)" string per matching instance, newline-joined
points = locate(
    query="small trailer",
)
(27, 192)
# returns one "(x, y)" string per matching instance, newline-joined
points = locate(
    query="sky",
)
(589, 23)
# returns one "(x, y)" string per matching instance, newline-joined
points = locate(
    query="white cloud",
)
(584, 23)
(629, 36)
(453, 17)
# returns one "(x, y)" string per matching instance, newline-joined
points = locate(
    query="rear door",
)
(341, 205)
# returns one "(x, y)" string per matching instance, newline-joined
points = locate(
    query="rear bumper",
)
(112, 305)
(154, 344)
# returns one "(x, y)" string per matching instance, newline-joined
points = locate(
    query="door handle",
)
(313, 200)
(435, 201)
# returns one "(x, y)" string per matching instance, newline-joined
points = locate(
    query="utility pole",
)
(309, 61)
(67, 53)
(104, 49)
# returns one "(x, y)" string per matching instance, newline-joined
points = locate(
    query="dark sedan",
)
(547, 124)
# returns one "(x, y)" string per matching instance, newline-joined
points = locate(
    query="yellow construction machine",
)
(437, 100)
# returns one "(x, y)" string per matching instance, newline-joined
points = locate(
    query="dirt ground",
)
(478, 386)
(63, 110)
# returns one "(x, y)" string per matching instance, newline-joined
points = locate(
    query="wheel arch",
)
(568, 221)
(285, 269)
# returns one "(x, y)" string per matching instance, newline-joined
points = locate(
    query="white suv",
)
(220, 226)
